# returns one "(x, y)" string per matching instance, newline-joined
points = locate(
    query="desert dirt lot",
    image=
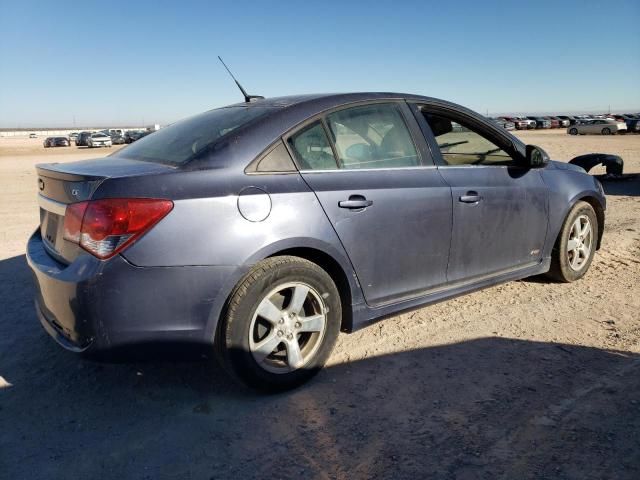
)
(529, 379)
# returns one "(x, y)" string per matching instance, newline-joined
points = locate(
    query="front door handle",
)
(355, 202)
(470, 197)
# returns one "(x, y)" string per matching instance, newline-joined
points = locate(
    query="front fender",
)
(566, 187)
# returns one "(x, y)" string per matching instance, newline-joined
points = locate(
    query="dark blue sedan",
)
(262, 229)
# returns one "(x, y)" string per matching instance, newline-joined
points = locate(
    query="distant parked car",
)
(82, 138)
(599, 126)
(531, 124)
(541, 122)
(131, 136)
(572, 120)
(56, 142)
(562, 121)
(517, 122)
(33, 135)
(73, 135)
(99, 140)
(117, 139)
(115, 131)
(555, 123)
(632, 122)
(506, 124)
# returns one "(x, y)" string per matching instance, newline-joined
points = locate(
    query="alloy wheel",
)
(288, 327)
(580, 243)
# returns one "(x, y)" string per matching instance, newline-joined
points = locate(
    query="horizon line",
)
(518, 113)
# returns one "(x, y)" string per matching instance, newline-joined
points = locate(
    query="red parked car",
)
(519, 123)
(555, 123)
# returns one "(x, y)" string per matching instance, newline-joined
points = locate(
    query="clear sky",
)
(155, 62)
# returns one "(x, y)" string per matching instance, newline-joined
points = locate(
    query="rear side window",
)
(180, 142)
(312, 149)
(372, 136)
(276, 160)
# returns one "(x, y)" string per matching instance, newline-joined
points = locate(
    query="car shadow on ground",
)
(627, 184)
(483, 408)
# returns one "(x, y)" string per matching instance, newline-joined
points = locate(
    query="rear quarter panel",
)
(210, 230)
(207, 229)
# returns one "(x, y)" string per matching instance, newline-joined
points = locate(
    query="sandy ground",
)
(529, 379)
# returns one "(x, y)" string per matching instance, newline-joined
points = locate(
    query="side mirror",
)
(536, 157)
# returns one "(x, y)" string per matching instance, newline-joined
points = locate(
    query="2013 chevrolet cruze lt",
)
(262, 229)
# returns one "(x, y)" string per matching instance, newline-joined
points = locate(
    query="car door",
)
(499, 205)
(371, 172)
(590, 126)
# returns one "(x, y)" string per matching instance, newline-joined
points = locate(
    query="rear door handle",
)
(355, 202)
(470, 197)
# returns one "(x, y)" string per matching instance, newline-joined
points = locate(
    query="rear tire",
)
(606, 131)
(576, 244)
(573, 131)
(280, 324)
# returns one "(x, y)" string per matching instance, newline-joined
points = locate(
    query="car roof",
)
(337, 98)
(312, 104)
(290, 111)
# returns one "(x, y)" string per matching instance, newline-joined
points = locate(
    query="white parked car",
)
(99, 140)
(598, 126)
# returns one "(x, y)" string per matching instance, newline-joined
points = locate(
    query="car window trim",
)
(401, 104)
(352, 170)
(307, 126)
(332, 143)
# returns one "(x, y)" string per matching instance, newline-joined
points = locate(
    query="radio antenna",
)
(247, 98)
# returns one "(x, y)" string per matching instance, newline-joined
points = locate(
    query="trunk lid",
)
(60, 184)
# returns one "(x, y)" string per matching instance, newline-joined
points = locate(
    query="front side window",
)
(372, 136)
(460, 145)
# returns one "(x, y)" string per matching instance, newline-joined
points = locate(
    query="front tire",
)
(573, 131)
(606, 131)
(576, 245)
(280, 324)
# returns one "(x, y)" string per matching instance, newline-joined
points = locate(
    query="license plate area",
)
(50, 228)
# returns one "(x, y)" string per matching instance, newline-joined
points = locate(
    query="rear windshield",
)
(180, 142)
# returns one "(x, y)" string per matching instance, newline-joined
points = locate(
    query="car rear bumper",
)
(99, 305)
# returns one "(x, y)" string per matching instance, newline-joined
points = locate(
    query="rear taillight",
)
(105, 227)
